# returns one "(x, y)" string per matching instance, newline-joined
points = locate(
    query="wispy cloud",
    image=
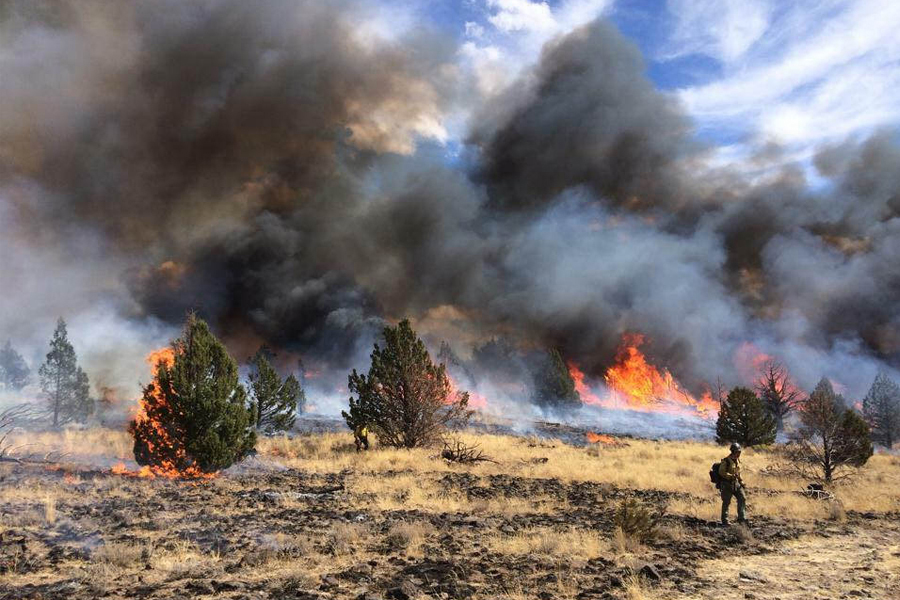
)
(510, 34)
(812, 73)
(722, 29)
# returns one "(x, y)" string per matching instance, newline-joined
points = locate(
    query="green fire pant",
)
(727, 492)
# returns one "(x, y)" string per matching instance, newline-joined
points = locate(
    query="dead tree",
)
(777, 391)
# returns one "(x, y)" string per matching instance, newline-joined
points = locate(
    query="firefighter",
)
(731, 484)
(361, 437)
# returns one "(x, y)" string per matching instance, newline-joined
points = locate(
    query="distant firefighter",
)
(361, 437)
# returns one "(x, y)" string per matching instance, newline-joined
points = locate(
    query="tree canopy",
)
(831, 438)
(881, 409)
(64, 384)
(195, 417)
(743, 418)
(553, 385)
(14, 371)
(406, 399)
(274, 400)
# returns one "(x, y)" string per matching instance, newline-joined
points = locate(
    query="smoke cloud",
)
(283, 169)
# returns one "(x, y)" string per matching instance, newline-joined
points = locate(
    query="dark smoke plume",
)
(274, 166)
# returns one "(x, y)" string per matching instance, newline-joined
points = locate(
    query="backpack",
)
(714, 474)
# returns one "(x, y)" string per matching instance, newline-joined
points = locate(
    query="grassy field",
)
(540, 517)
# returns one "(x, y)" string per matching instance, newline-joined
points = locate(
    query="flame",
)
(635, 384)
(167, 468)
(476, 400)
(601, 438)
(165, 356)
(587, 396)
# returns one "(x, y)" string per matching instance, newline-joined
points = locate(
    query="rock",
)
(751, 576)
(405, 591)
(649, 571)
(201, 587)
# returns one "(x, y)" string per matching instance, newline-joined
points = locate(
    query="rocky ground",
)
(310, 518)
(295, 534)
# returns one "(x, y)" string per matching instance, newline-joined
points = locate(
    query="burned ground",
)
(291, 523)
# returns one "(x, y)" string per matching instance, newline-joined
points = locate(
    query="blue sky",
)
(798, 74)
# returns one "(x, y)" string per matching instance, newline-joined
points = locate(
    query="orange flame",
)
(167, 468)
(476, 400)
(587, 396)
(165, 356)
(635, 384)
(601, 438)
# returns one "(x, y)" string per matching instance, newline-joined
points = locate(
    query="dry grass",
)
(409, 537)
(626, 545)
(558, 543)
(678, 466)
(635, 589)
(424, 492)
(386, 484)
(347, 538)
(412, 483)
(79, 445)
(119, 555)
(49, 509)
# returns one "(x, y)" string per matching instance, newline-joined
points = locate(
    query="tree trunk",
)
(56, 402)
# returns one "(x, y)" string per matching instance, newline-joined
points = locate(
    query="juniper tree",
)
(777, 391)
(196, 418)
(64, 384)
(274, 400)
(406, 399)
(831, 438)
(881, 409)
(14, 372)
(743, 418)
(553, 385)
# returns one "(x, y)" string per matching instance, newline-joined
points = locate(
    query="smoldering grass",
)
(120, 554)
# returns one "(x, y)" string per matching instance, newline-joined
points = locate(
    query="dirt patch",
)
(859, 560)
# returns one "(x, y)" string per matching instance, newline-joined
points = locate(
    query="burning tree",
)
(14, 372)
(744, 419)
(777, 392)
(881, 409)
(274, 400)
(194, 418)
(63, 382)
(554, 386)
(831, 438)
(406, 399)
